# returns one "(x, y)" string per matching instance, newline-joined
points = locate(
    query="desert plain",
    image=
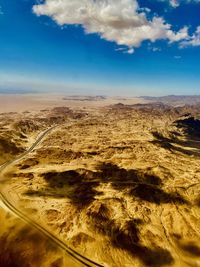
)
(116, 180)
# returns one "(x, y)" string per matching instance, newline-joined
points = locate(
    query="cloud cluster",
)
(193, 40)
(120, 21)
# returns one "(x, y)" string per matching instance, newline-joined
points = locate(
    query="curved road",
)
(74, 254)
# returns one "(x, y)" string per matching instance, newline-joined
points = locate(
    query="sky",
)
(104, 47)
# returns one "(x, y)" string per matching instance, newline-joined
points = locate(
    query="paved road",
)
(74, 254)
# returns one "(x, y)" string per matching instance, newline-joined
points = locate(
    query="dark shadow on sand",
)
(190, 131)
(128, 238)
(80, 187)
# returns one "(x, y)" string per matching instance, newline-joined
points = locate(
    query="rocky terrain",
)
(119, 183)
(18, 130)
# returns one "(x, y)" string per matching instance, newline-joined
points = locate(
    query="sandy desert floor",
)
(117, 182)
(37, 102)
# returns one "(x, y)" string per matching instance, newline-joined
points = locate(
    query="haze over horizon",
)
(123, 47)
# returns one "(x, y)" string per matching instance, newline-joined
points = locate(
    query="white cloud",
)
(156, 49)
(125, 50)
(194, 40)
(176, 3)
(120, 21)
(120, 49)
(130, 50)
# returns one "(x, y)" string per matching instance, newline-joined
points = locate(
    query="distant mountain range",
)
(175, 99)
(9, 91)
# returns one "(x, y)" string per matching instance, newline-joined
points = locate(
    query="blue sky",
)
(43, 47)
